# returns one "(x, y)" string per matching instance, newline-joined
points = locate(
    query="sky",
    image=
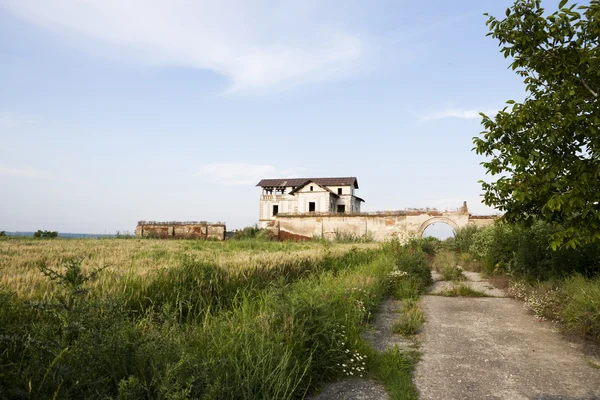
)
(113, 112)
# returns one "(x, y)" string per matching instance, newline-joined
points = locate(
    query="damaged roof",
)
(294, 182)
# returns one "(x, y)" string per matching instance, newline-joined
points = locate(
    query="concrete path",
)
(491, 348)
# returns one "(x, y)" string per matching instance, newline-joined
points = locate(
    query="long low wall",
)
(181, 230)
(381, 227)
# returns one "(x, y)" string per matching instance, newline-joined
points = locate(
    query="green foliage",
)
(581, 305)
(2, 233)
(394, 368)
(410, 318)
(45, 234)
(411, 260)
(494, 247)
(253, 232)
(546, 150)
(463, 239)
(346, 237)
(527, 253)
(194, 332)
(461, 290)
(445, 263)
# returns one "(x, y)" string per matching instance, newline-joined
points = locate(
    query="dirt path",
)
(491, 348)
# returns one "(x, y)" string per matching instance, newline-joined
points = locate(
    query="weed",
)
(461, 290)
(410, 320)
(394, 368)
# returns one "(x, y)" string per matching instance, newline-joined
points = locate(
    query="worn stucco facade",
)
(401, 225)
(327, 207)
(300, 196)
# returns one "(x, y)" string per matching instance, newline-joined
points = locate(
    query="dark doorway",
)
(275, 210)
(311, 206)
(341, 208)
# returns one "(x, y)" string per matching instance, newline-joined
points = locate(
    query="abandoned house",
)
(307, 195)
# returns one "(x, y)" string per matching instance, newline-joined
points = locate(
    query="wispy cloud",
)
(24, 173)
(456, 113)
(244, 174)
(11, 120)
(257, 45)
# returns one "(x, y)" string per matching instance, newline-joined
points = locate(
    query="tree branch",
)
(588, 88)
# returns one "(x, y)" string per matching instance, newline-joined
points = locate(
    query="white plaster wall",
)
(320, 198)
(379, 227)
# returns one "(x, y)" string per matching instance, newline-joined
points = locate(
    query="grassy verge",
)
(408, 281)
(410, 320)
(395, 369)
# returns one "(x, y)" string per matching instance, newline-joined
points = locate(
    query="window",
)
(275, 210)
(341, 208)
(339, 190)
(311, 188)
(311, 206)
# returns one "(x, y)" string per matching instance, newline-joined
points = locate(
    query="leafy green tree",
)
(45, 234)
(545, 151)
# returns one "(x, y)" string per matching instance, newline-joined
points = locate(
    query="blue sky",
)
(112, 111)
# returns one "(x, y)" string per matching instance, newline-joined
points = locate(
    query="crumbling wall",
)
(180, 230)
(380, 226)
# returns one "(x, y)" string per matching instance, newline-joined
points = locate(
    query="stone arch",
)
(433, 220)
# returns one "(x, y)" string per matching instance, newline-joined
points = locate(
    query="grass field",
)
(124, 259)
(152, 319)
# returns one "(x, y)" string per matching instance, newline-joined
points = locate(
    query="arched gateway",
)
(380, 226)
(434, 220)
(327, 207)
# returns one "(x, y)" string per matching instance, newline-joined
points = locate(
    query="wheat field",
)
(122, 259)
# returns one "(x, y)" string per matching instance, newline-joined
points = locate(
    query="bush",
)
(252, 232)
(493, 247)
(412, 261)
(45, 234)
(445, 264)
(526, 253)
(463, 239)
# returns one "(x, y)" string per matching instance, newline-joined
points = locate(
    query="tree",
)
(545, 151)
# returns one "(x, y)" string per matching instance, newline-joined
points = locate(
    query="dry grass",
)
(20, 259)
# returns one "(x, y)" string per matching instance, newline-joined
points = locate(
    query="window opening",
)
(311, 188)
(341, 208)
(339, 190)
(311, 206)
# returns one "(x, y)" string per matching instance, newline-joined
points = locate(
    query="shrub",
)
(412, 260)
(445, 263)
(463, 239)
(526, 253)
(252, 232)
(2, 233)
(45, 234)
(493, 247)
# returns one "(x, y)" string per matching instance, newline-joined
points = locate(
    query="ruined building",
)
(307, 195)
(328, 207)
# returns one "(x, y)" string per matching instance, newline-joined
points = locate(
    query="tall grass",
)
(192, 330)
